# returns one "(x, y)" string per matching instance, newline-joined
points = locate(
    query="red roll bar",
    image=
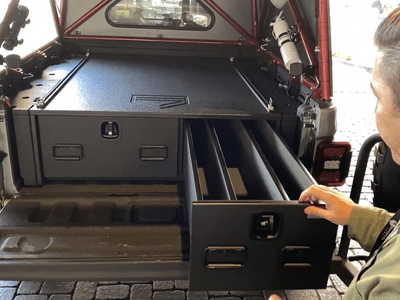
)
(321, 87)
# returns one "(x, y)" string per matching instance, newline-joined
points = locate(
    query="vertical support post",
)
(324, 48)
(254, 20)
(62, 15)
(56, 18)
(308, 46)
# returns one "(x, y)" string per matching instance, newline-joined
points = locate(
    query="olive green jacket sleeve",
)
(379, 279)
(366, 223)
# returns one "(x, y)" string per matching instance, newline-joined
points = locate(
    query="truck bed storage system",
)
(127, 164)
(118, 117)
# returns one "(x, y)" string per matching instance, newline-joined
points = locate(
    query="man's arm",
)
(365, 223)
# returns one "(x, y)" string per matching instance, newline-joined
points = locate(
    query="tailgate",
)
(81, 237)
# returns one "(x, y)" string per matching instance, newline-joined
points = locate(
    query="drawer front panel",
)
(236, 246)
(80, 147)
(253, 236)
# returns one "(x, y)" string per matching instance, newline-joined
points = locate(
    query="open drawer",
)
(246, 233)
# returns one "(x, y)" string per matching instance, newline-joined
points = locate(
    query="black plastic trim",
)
(84, 270)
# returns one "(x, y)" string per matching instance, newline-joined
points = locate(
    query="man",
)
(380, 277)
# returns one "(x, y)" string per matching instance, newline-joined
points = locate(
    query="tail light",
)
(332, 163)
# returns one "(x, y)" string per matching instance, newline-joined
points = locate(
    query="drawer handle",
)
(225, 257)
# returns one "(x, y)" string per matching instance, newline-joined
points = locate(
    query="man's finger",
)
(305, 195)
(318, 192)
(319, 212)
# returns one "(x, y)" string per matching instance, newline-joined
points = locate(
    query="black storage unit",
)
(140, 168)
(115, 118)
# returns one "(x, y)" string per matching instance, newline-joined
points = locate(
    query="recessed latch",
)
(110, 130)
(266, 226)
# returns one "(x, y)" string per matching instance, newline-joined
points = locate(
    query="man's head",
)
(386, 82)
(387, 39)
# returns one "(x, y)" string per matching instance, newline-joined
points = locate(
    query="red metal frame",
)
(323, 43)
(56, 17)
(62, 15)
(179, 41)
(86, 16)
(313, 86)
(322, 67)
(308, 46)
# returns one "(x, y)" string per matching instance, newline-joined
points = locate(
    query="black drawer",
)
(251, 236)
(111, 148)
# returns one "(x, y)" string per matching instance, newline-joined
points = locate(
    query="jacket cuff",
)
(366, 223)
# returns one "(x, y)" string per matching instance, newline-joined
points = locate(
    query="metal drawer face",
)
(88, 147)
(245, 232)
(297, 257)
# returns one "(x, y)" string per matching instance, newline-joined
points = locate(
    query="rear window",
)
(168, 14)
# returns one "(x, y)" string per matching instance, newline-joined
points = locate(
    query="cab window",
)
(168, 14)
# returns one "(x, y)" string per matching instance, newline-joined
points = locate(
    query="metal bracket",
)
(294, 33)
(265, 43)
(308, 120)
(18, 76)
(40, 53)
(42, 102)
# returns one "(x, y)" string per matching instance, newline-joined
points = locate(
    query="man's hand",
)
(338, 205)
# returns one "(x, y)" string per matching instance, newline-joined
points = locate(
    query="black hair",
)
(387, 39)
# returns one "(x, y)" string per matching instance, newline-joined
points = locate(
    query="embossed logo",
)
(160, 101)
